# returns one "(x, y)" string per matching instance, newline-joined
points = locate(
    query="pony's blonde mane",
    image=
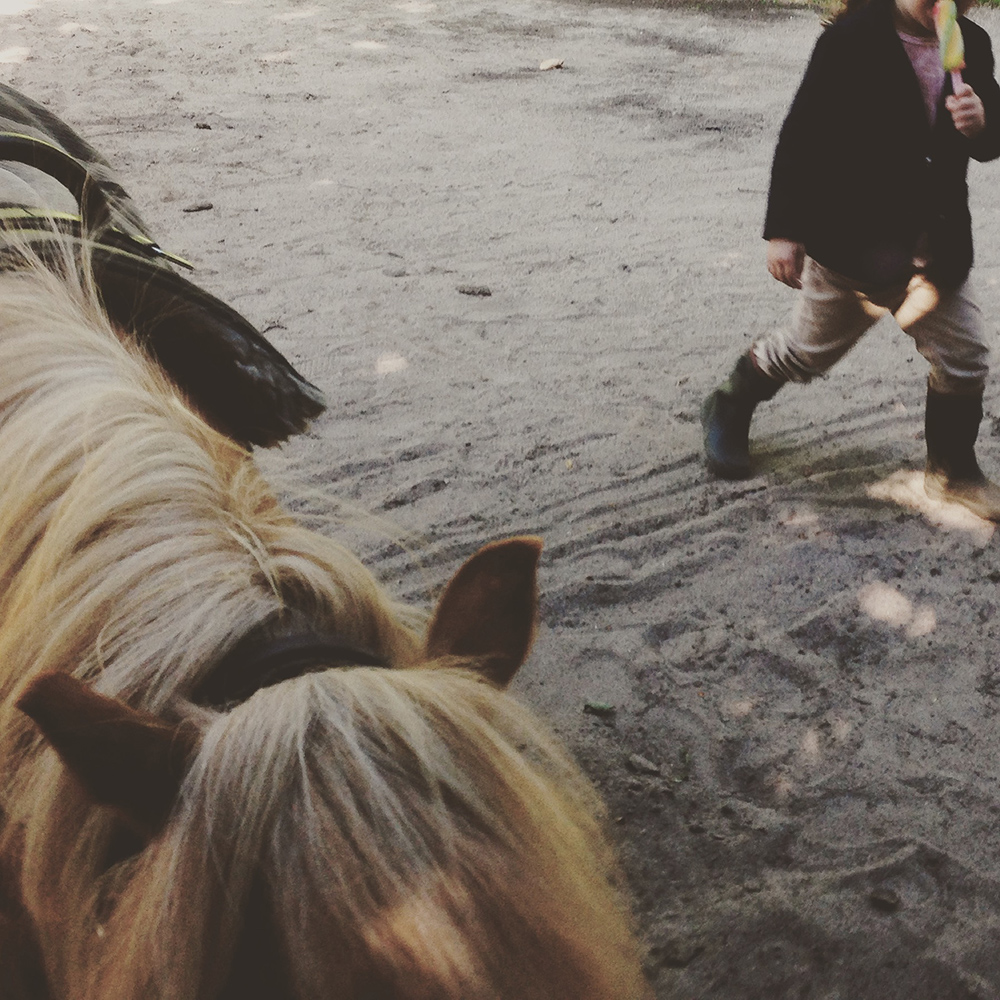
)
(410, 828)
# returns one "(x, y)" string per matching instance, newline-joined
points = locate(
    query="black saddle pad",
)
(223, 365)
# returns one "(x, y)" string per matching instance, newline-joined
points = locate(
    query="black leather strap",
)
(269, 655)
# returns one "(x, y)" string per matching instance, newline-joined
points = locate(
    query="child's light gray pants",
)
(833, 312)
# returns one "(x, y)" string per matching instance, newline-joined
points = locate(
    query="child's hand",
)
(784, 260)
(966, 111)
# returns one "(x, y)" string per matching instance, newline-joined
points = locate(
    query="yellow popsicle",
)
(949, 36)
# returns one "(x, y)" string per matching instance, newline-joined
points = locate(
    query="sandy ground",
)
(801, 758)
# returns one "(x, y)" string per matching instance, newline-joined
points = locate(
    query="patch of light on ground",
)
(389, 363)
(906, 488)
(886, 604)
(17, 6)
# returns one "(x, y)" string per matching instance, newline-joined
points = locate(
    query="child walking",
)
(868, 213)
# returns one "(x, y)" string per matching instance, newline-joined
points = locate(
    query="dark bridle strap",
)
(269, 655)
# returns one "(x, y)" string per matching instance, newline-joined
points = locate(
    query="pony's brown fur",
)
(403, 834)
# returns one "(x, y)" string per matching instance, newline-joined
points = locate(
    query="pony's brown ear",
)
(123, 757)
(489, 609)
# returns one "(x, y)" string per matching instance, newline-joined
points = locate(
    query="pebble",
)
(641, 765)
(885, 900)
(601, 708)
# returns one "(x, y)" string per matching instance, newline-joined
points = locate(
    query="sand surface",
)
(802, 757)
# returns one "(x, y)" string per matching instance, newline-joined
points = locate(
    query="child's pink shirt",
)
(926, 60)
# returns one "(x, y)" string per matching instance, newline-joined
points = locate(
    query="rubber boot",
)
(726, 416)
(953, 474)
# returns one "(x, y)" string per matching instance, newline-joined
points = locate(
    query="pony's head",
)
(179, 823)
(358, 832)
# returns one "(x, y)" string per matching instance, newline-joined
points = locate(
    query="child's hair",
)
(837, 10)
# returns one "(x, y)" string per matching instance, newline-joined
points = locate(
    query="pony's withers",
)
(354, 832)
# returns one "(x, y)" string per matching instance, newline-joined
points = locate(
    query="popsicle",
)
(950, 40)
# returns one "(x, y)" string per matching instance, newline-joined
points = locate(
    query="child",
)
(867, 214)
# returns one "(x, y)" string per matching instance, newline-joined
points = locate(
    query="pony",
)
(230, 764)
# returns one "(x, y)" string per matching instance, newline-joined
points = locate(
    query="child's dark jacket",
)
(858, 172)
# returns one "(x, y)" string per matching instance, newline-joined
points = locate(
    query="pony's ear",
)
(123, 757)
(489, 609)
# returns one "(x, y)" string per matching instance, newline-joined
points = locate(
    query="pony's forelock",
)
(407, 826)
